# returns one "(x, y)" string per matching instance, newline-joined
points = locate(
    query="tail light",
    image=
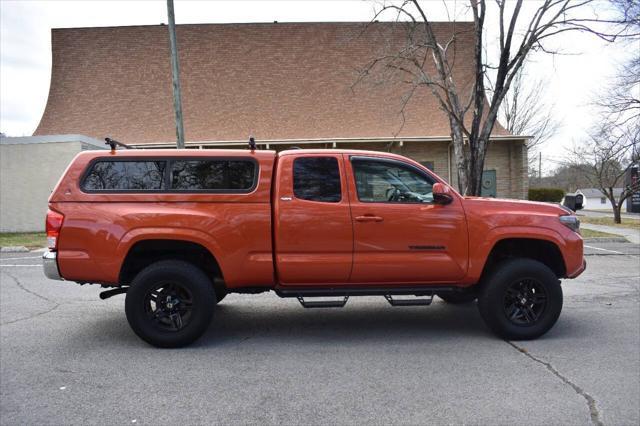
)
(53, 225)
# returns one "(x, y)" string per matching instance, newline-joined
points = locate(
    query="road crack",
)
(56, 305)
(591, 402)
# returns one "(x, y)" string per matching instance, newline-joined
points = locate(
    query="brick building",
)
(288, 84)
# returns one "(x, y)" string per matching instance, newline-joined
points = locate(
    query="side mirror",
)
(441, 194)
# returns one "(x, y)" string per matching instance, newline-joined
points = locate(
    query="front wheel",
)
(170, 303)
(521, 299)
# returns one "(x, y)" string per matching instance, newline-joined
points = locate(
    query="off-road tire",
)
(184, 275)
(458, 298)
(494, 298)
(220, 295)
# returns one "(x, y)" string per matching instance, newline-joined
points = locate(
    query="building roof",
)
(595, 192)
(274, 81)
(21, 140)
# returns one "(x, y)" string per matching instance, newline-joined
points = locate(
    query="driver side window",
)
(381, 181)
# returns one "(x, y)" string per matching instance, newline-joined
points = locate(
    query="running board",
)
(341, 291)
(323, 303)
(409, 302)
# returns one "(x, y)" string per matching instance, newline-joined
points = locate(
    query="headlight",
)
(571, 222)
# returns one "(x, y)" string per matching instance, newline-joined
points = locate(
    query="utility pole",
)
(540, 166)
(175, 66)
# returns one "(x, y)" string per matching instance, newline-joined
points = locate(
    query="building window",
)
(317, 179)
(125, 176)
(603, 200)
(427, 164)
(213, 175)
(380, 181)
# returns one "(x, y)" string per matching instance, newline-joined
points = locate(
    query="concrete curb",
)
(14, 249)
(606, 240)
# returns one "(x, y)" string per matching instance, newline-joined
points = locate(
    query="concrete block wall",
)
(29, 170)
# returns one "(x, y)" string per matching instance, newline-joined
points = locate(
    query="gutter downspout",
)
(449, 160)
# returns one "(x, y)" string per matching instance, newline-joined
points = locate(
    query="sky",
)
(574, 79)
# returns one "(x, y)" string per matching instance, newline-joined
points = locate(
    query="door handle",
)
(369, 218)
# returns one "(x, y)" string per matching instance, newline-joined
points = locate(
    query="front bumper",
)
(578, 271)
(50, 265)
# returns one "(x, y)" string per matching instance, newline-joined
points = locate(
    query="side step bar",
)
(361, 291)
(424, 294)
(409, 302)
(323, 303)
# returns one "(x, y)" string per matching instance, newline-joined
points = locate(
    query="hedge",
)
(552, 195)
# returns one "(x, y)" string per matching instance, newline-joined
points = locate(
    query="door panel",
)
(408, 240)
(313, 227)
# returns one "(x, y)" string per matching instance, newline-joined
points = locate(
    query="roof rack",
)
(114, 143)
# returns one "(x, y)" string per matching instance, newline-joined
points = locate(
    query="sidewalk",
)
(604, 213)
(633, 235)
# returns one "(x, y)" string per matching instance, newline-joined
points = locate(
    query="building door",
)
(312, 221)
(400, 235)
(489, 186)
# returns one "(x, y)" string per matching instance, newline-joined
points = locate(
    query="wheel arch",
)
(141, 252)
(543, 250)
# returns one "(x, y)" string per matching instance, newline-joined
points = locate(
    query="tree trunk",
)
(617, 218)
(476, 165)
(461, 157)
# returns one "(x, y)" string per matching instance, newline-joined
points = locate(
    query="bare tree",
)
(606, 160)
(426, 61)
(615, 145)
(621, 102)
(570, 177)
(525, 111)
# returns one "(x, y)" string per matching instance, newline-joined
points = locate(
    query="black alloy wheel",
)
(520, 299)
(525, 301)
(169, 306)
(170, 303)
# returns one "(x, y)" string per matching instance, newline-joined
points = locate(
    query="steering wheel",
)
(393, 194)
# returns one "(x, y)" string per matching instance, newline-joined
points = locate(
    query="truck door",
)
(400, 235)
(312, 221)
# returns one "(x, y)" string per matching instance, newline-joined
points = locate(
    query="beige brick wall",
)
(28, 173)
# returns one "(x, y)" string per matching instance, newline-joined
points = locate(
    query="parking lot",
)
(69, 357)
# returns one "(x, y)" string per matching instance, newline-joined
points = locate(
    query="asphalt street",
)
(67, 357)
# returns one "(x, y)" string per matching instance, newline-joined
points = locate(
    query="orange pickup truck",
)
(177, 230)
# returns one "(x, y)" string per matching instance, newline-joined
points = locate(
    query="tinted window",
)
(221, 175)
(317, 179)
(390, 182)
(126, 175)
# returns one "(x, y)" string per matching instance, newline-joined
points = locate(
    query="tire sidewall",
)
(187, 275)
(491, 300)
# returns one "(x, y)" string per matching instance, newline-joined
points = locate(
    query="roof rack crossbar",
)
(114, 143)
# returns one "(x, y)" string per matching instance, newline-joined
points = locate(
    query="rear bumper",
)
(50, 265)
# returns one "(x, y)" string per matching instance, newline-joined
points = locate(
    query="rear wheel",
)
(170, 303)
(521, 299)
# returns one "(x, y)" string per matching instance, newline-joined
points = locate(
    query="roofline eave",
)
(309, 141)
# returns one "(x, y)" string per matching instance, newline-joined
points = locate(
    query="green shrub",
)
(551, 195)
